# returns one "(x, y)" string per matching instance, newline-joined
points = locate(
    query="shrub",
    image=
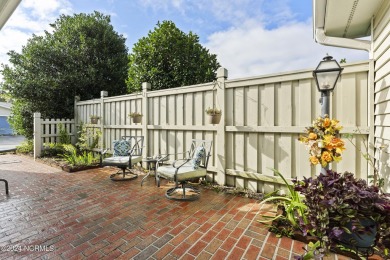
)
(64, 137)
(25, 147)
(74, 159)
(88, 138)
(52, 149)
(336, 200)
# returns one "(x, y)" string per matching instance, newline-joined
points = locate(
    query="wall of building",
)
(381, 56)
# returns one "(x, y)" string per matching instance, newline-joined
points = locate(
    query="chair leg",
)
(183, 193)
(123, 174)
(6, 186)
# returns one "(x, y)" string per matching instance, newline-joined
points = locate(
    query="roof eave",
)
(6, 10)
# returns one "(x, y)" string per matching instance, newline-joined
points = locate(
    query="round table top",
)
(149, 159)
(154, 159)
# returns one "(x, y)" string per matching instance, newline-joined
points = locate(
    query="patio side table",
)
(151, 165)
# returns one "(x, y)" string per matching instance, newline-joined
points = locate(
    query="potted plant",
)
(342, 209)
(94, 119)
(136, 116)
(214, 115)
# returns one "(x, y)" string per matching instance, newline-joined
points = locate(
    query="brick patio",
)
(51, 214)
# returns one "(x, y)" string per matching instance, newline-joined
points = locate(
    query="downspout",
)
(323, 39)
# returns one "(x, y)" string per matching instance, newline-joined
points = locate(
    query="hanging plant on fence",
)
(136, 116)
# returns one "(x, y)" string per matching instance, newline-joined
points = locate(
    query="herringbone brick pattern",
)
(52, 214)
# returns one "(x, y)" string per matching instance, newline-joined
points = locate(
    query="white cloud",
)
(251, 50)
(30, 17)
(262, 37)
(259, 38)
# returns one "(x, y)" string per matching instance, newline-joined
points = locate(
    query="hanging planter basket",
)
(214, 115)
(214, 118)
(94, 120)
(136, 117)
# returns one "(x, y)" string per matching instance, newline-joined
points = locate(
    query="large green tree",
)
(81, 56)
(169, 58)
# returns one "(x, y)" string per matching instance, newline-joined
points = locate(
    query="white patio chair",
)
(192, 167)
(127, 152)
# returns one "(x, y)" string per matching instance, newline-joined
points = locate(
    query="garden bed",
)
(62, 165)
(68, 168)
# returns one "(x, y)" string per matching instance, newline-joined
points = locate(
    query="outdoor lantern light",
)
(326, 74)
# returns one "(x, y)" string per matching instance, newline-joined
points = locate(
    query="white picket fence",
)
(47, 131)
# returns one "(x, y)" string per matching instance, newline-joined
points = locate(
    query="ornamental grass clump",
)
(323, 141)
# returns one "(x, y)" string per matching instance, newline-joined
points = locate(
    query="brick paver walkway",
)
(52, 214)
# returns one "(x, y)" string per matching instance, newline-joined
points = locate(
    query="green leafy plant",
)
(313, 251)
(135, 114)
(71, 57)
(52, 149)
(25, 147)
(292, 211)
(168, 58)
(88, 137)
(64, 137)
(213, 111)
(71, 156)
(94, 117)
(376, 180)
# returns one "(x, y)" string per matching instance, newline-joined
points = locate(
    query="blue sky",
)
(250, 37)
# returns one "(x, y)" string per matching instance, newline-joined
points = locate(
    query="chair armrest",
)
(184, 162)
(102, 153)
(162, 158)
(165, 157)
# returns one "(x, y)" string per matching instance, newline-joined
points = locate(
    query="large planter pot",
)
(137, 119)
(214, 118)
(361, 242)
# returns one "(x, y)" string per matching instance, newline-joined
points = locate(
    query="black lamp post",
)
(326, 75)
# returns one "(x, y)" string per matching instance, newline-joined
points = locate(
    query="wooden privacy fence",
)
(262, 118)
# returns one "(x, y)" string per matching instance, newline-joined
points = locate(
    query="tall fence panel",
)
(262, 118)
(268, 115)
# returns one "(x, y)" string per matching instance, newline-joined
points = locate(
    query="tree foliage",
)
(81, 56)
(169, 58)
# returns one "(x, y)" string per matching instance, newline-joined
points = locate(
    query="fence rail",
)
(262, 118)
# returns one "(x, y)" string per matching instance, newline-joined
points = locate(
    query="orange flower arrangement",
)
(323, 142)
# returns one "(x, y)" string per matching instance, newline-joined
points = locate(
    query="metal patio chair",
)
(182, 171)
(127, 152)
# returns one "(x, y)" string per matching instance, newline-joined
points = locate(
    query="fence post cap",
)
(103, 94)
(146, 86)
(222, 73)
(37, 114)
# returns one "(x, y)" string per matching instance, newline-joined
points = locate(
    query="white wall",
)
(381, 51)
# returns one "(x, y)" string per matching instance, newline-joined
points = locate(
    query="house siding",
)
(381, 56)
